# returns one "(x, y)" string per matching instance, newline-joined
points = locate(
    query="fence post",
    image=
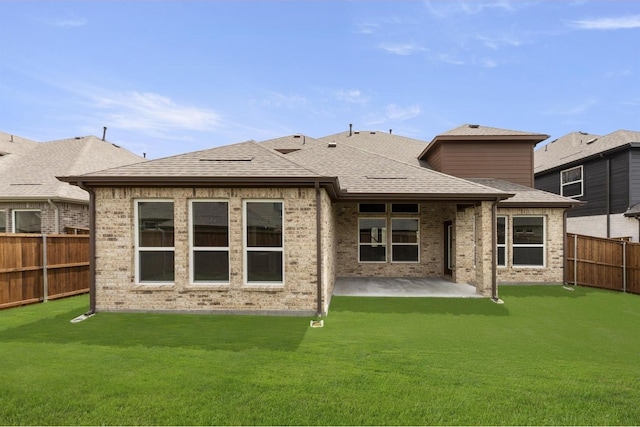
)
(45, 278)
(575, 260)
(624, 266)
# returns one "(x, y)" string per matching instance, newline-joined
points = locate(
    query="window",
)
(3, 221)
(27, 221)
(372, 243)
(528, 241)
(372, 208)
(209, 241)
(154, 242)
(571, 182)
(264, 260)
(408, 208)
(404, 239)
(501, 243)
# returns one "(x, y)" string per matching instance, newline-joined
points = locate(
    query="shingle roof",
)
(243, 160)
(633, 211)
(478, 130)
(362, 172)
(33, 175)
(526, 196)
(12, 148)
(577, 146)
(389, 145)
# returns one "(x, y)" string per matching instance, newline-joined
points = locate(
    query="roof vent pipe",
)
(390, 131)
(104, 132)
(350, 129)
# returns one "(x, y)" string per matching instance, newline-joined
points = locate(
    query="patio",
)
(428, 287)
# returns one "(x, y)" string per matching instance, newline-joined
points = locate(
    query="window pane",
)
(156, 266)
(210, 224)
(502, 230)
(376, 253)
(373, 231)
(571, 190)
(502, 257)
(404, 208)
(3, 221)
(572, 175)
(27, 222)
(528, 256)
(155, 224)
(264, 266)
(404, 231)
(406, 253)
(211, 266)
(528, 230)
(264, 224)
(372, 208)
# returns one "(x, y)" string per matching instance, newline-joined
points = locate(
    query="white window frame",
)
(246, 249)
(417, 244)
(193, 249)
(543, 245)
(385, 238)
(504, 245)
(139, 248)
(3, 224)
(564, 184)
(14, 221)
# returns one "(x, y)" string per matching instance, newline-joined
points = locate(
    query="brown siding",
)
(507, 160)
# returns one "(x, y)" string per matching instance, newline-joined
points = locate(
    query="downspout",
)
(494, 255)
(565, 243)
(56, 217)
(92, 248)
(607, 191)
(319, 308)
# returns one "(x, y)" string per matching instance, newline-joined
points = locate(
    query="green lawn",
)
(546, 357)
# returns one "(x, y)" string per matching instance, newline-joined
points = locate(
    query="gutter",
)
(319, 308)
(92, 248)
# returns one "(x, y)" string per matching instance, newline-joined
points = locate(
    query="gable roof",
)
(526, 196)
(470, 132)
(578, 146)
(33, 175)
(12, 148)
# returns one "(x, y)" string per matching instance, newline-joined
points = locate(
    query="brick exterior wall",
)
(116, 289)
(432, 217)
(596, 226)
(552, 272)
(69, 215)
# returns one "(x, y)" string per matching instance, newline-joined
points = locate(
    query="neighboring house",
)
(269, 227)
(33, 200)
(604, 172)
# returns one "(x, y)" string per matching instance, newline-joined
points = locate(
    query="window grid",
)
(501, 242)
(377, 238)
(252, 251)
(416, 244)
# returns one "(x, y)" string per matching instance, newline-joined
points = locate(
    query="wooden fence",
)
(603, 263)
(38, 267)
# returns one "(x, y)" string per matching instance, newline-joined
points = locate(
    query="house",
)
(268, 227)
(32, 199)
(604, 172)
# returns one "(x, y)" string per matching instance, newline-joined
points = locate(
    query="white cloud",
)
(444, 9)
(573, 110)
(351, 96)
(621, 23)
(394, 112)
(496, 43)
(366, 28)
(153, 112)
(402, 49)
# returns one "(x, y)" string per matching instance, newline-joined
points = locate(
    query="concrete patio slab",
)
(402, 287)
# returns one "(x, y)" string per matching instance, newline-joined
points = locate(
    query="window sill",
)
(208, 287)
(262, 288)
(154, 287)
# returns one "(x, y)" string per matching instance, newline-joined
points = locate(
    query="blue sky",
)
(172, 77)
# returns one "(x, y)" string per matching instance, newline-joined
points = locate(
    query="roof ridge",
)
(283, 156)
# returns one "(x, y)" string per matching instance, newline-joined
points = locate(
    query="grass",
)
(545, 357)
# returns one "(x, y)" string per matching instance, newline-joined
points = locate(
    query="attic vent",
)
(372, 133)
(332, 145)
(296, 136)
(228, 159)
(357, 132)
(583, 133)
(386, 177)
(592, 140)
(117, 146)
(286, 150)
(78, 137)
(474, 126)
